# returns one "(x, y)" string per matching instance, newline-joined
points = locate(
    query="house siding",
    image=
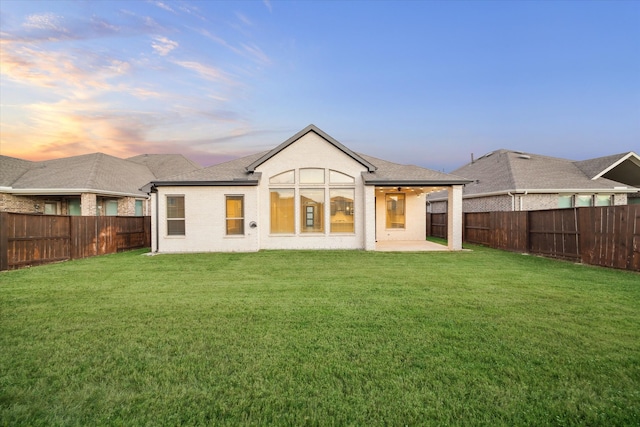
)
(519, 202)
(205, 221)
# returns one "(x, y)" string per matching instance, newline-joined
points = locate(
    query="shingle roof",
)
(388, 173)
(233, 170)
(97, 172)
(624, 167)
(165, 165)
(11, 169)
(506, 170)
(380, 172)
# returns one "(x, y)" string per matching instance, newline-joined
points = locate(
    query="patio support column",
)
(369, 226)
(454, 218)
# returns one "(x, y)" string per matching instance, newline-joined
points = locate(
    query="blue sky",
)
(417, 82)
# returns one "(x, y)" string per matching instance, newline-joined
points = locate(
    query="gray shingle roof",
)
(165, 165)
(507, 170)
(388, 173)
(233, 170)
(11, 169)
(381, 172)
(95, 172)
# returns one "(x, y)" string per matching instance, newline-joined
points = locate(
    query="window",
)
(175, 216)
(301, 207)
(311, 176)
(602, 200)
(282, 211)
(565, 201)
(287, 177)
(336, 177)
(395, 210)
(138, 209)
(112, 208)
(75, 208)
(342, 210)
(50, 208)
(312, 210)
(582, 200)
(235, 215)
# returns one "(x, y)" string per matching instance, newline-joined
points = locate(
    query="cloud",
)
(45, 21)
(62, 71)
(268, 5)
(205, 71)
(163, 46)
(162, 5)
(250, 51)
(243, 18)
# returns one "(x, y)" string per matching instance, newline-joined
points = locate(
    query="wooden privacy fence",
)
(29, 239)
(605, 236)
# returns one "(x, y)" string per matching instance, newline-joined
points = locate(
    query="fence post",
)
(4, 241)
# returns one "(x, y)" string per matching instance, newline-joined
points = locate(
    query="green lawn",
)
(320, 338)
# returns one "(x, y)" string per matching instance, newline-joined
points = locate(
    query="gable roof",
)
(503, 171)
(311, 128)
(624, 167)
(96, 173)
(242, 171)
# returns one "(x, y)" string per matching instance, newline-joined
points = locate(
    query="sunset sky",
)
(416, 82)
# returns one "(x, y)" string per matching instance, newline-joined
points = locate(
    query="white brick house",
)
(310, 192)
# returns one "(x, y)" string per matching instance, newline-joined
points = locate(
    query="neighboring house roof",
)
(11, 169)
(96, 173)
(503, 171)
(165, 165)
(624, 167)
(379, 172)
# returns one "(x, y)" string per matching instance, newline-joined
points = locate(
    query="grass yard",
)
(320, 338)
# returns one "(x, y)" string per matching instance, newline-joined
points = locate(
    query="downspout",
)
(513, 200)
(521, 197)
(155, 190)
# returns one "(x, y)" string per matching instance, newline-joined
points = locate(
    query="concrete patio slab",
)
(409, 246)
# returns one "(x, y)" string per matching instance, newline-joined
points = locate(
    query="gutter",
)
(235, 182)
(416, 183)
(66, 192)
(615, 190)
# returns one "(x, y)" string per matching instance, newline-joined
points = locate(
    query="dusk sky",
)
(416, 82)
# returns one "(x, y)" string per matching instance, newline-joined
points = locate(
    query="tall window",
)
(282, 211)
(302, 206)
(235, 215)
(602, 200)
(395, 210)
(565, 201)
(175, 216)
(583, 200)
(112, 207)
(75, 208)
(312, 210)
(342, 210)
(139, 208)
